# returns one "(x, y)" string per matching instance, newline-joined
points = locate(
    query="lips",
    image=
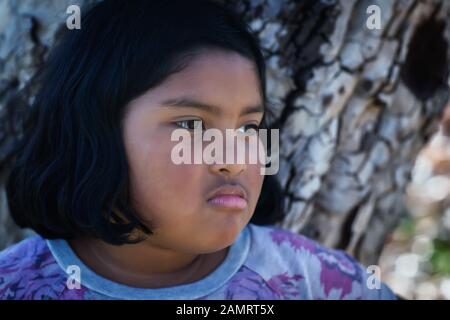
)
(229, 197)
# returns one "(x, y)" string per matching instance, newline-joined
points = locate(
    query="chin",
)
(225, 238)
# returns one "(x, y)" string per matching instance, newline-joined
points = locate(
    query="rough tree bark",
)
(354, 105)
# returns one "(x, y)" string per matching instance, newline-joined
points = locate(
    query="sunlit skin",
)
(191, 237)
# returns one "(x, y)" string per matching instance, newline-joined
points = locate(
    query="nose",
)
(227, 170)
(232, 167)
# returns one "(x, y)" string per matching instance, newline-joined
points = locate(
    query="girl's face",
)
(173, 199)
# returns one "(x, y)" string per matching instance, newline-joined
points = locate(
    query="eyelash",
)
(256, 127)
(187, 120)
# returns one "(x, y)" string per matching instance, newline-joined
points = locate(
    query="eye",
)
(191, 124)
(249, 126)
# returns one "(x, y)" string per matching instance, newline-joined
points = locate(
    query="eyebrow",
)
(185, 102)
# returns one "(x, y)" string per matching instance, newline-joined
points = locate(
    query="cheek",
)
(254, 181)
(159, 188)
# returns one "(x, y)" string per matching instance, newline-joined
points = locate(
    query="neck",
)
(144, 265)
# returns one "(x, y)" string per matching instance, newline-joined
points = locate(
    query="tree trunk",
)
(354, 105)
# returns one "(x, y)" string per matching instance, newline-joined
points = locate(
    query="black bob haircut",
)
(70, 173)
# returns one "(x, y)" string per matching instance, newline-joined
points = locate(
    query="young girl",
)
(116, 218)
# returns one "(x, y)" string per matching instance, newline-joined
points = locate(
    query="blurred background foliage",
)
(416, 259)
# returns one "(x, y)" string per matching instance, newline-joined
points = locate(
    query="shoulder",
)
(28, 271)
(279, 237)
(280, 255)
(283, 246)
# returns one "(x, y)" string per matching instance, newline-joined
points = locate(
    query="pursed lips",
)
(229, 197)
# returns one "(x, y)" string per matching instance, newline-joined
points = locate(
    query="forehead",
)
(229, 70)
(217, 77)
